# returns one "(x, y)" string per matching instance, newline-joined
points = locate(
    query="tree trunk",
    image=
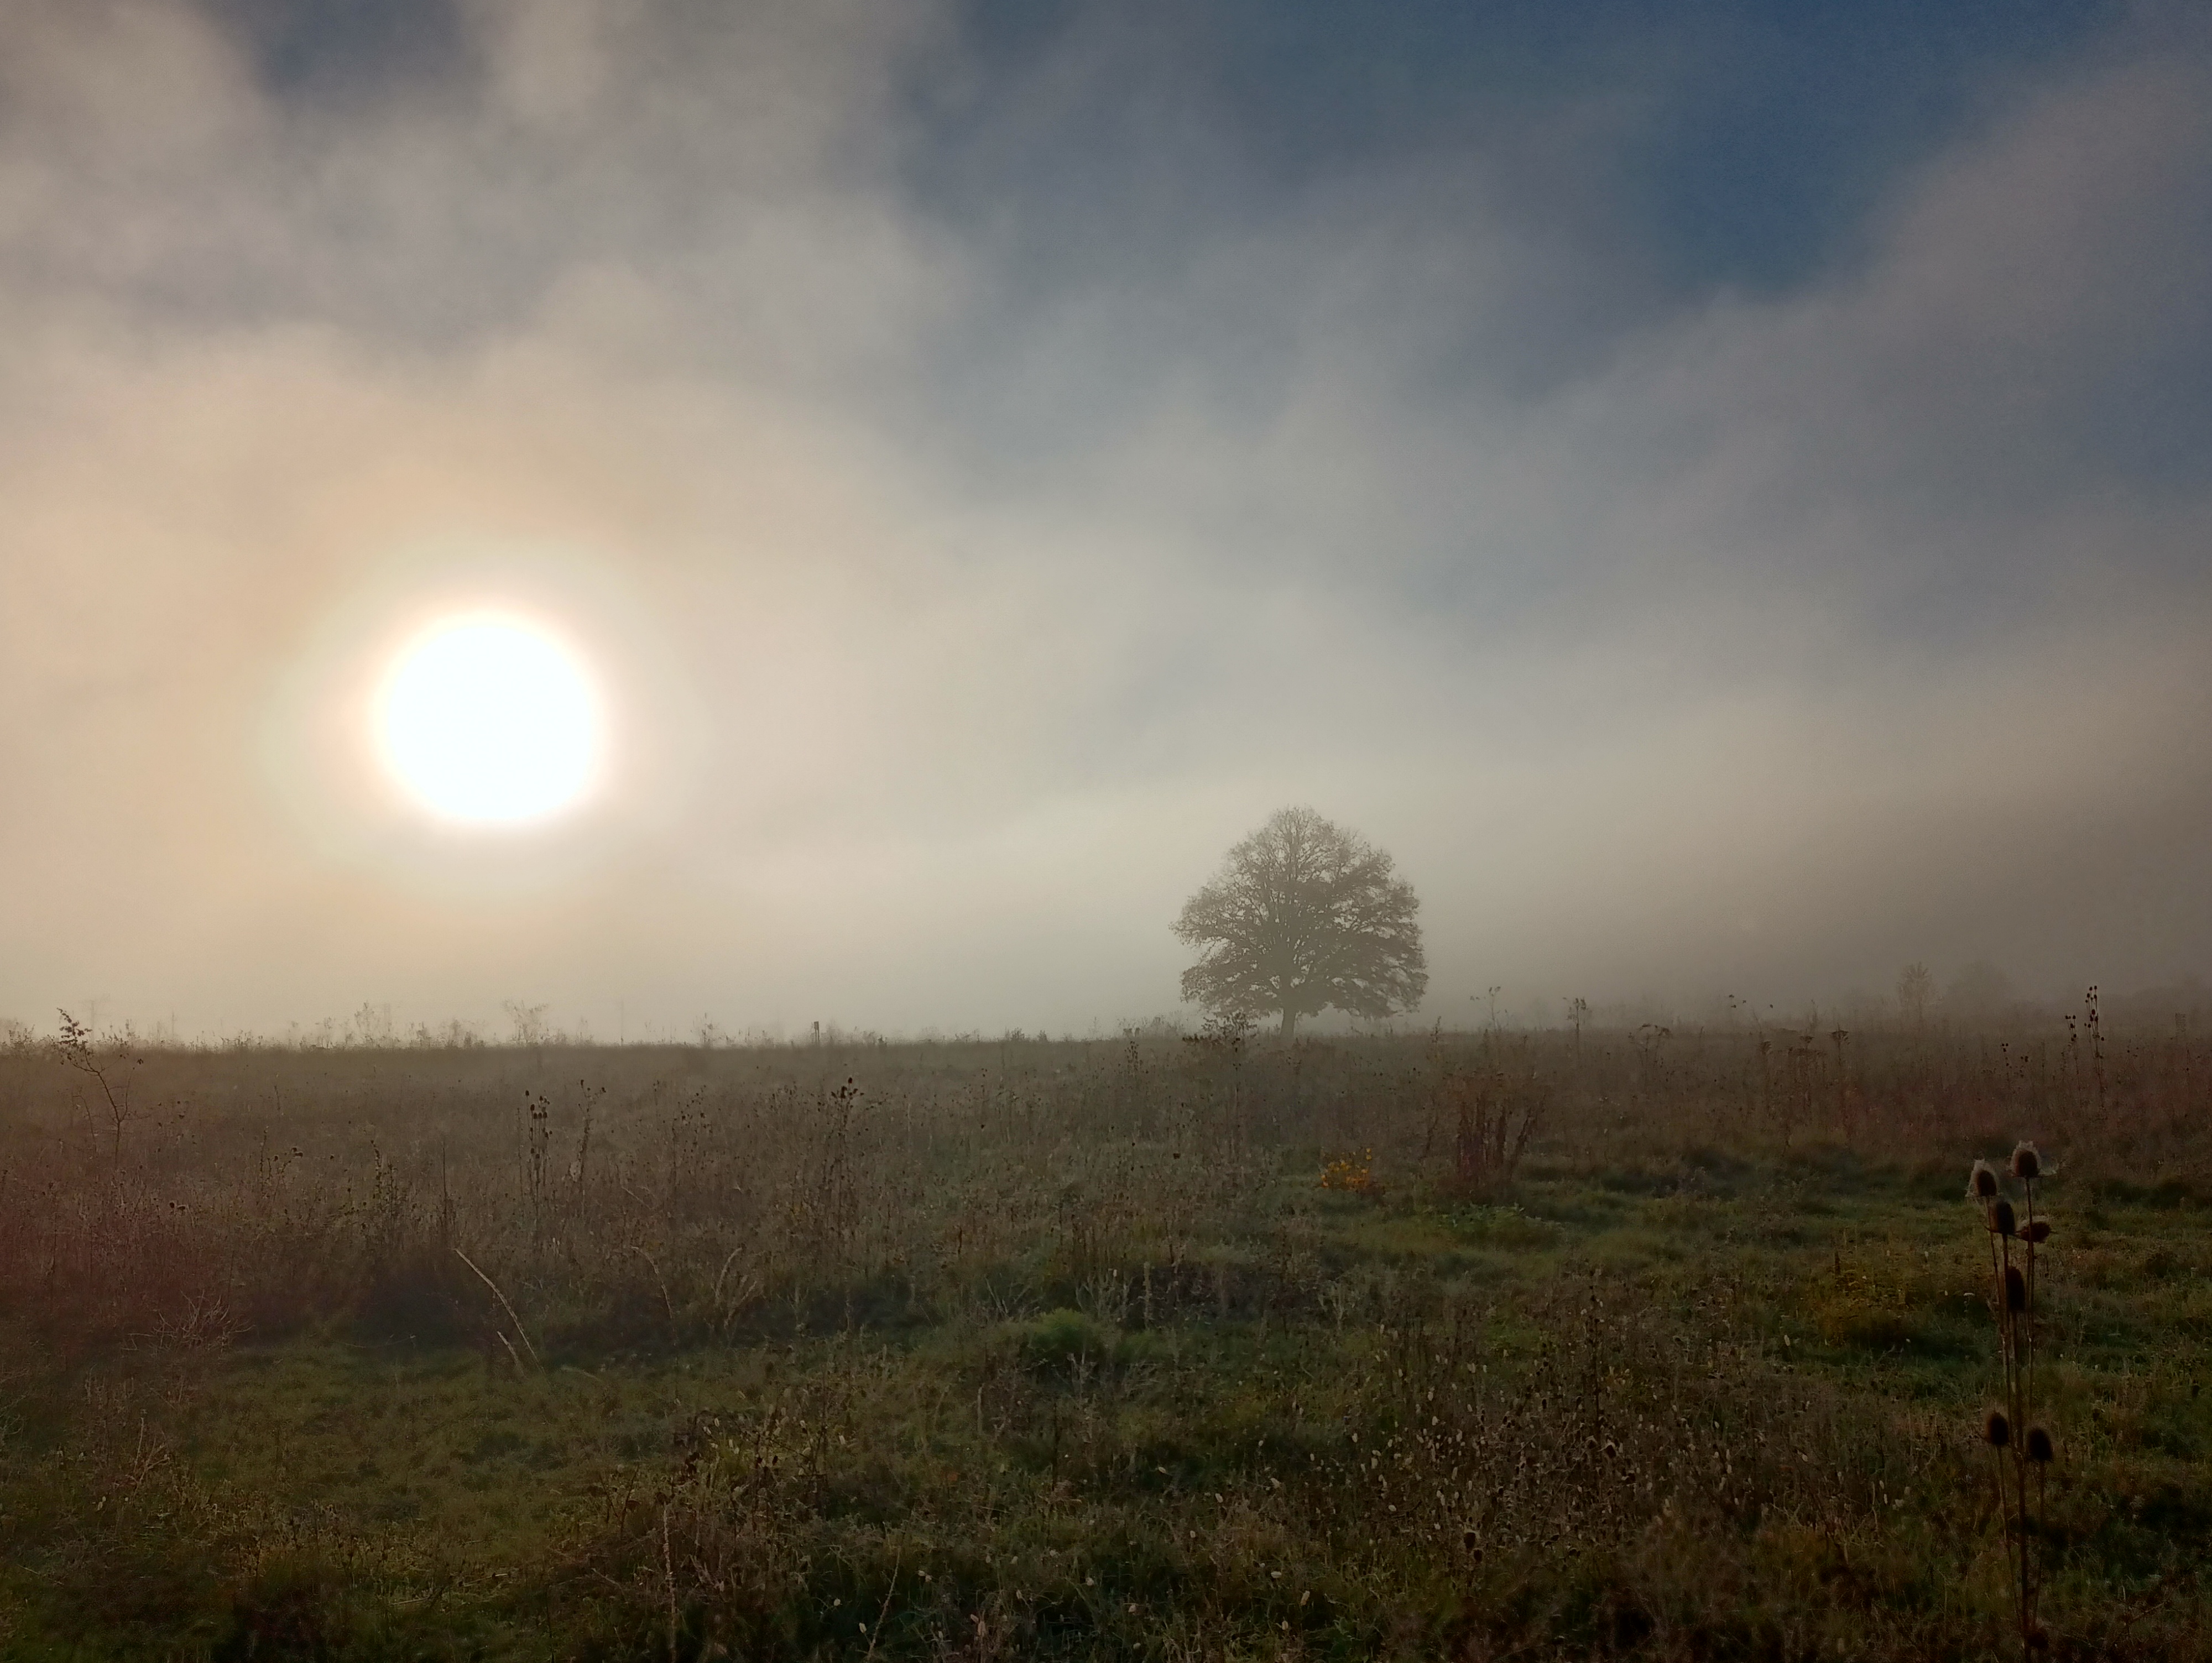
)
(1290, 1022)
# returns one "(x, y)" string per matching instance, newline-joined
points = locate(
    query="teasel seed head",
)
(1996, 1429)
(1981, 1183)
(2038, 1444)
(2026, 1163)
(2015, 1289)
(2038, 1232)
(2002, 1219)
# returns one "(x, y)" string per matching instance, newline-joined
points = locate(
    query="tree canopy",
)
(1304, 917)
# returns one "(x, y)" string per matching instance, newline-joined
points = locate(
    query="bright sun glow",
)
(489, 721)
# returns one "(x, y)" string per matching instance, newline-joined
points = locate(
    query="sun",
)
(487, 719)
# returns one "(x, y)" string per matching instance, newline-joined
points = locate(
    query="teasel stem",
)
(2007, 1323)
(2010, 1306)
(2026, 1164)
(2000, 1433)
(2016, 1304)
(2027, 1563)
(2005, 1428)
(1996, 1432)
(1998, 1246)
(2031, 1563)
(1996, 1273)
(2028, 1183)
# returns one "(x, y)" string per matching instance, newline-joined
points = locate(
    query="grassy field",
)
(1651, 1344)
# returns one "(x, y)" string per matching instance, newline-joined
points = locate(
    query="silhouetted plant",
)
(75, 1047)
(1496, 1117)
(2018, 1443)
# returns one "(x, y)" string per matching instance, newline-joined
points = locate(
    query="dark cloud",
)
(1690, 148)
(341, 51)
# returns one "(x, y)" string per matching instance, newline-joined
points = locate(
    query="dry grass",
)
(1652, 1343)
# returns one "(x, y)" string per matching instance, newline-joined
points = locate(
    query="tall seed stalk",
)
(2018, 1441)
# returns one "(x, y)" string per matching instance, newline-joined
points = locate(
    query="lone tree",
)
(1304, 917)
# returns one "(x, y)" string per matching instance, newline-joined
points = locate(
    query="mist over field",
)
(1721, 496)
(1393, 818)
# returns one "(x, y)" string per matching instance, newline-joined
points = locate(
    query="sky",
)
(1720, 492)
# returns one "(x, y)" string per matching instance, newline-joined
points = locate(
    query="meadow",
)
(1585, 1343)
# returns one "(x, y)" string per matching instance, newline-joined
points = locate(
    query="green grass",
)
(1094, 1485)
(1147, 1391)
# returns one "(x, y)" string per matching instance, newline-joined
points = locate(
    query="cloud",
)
(974, 592)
